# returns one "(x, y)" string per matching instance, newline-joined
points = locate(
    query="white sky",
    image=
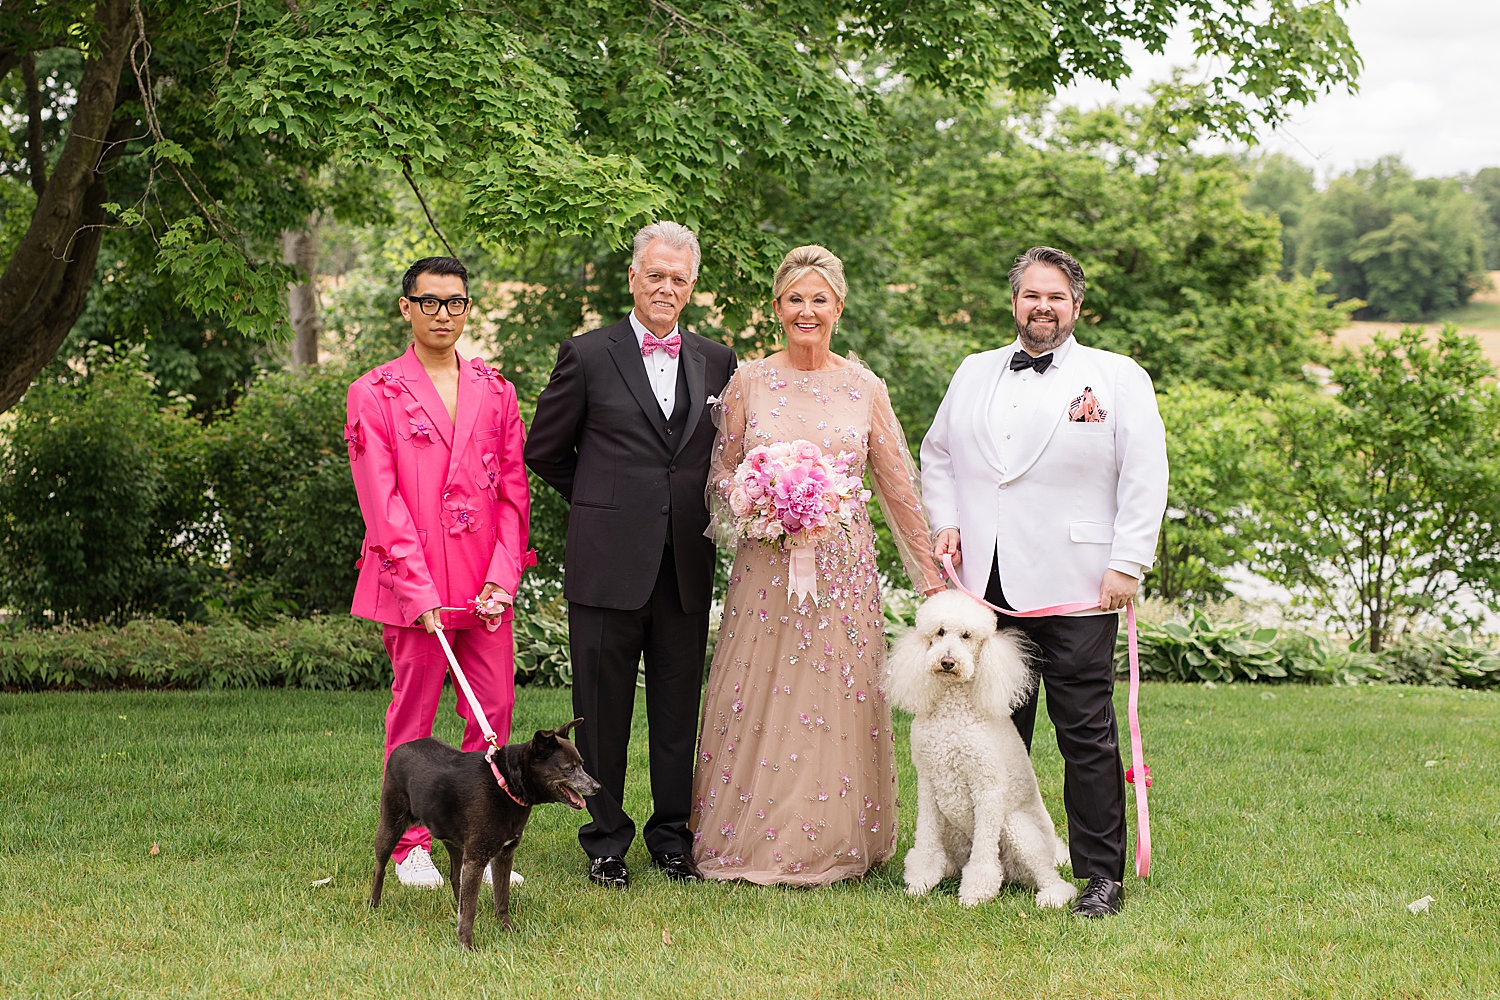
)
(1428, 90)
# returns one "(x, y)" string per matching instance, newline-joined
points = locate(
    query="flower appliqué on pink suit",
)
(391, 565)
(489, 479)
(354, 437)
(389, 382)
(459, 514)
(420, 430)
(491, 376)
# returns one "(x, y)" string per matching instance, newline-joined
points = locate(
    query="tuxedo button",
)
(666, 509)
(671, 468)
(669, 432)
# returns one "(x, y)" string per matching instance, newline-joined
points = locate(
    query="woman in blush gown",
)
(796, 779)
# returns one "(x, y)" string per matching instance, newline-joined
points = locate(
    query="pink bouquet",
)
(793, 492)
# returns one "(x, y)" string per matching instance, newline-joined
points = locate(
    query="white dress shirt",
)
(661, 368)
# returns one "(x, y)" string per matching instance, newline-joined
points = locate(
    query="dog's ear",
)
(544, 737)
(1002, 677)
(562, 730)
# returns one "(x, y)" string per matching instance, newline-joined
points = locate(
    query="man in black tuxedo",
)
(624, 432)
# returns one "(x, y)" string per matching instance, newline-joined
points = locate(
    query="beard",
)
(1038, 340)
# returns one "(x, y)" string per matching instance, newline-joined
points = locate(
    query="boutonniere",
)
(713, 401)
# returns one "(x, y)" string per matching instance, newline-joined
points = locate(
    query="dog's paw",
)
(920, 883)
(1055, 897)
(1060, 856)
(978, 887)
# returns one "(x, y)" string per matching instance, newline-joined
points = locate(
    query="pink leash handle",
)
(1139, 774)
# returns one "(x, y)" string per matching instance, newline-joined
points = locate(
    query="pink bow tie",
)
(672, 344)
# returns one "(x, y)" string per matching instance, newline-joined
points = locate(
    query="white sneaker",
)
(418, 871)
(515, 877)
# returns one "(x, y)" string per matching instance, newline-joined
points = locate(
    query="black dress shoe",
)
(677, 867)
(1102, 897)
(610, 872)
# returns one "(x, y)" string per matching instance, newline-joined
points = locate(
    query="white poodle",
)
(978, 807)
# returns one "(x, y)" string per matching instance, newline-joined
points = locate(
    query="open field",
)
(1480, 317)
(1292, 827)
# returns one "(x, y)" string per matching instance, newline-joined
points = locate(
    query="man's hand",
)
(492, 591)
(948, 544)
(430, 621)
(1117, 590)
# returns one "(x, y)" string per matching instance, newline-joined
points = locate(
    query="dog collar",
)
(489, 758)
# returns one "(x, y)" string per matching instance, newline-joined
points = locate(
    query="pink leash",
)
(1137, 755)
(479, 716)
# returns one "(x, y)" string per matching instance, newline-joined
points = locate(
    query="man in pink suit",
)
(436, 448)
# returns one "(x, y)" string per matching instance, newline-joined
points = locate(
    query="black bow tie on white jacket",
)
(1021, 359)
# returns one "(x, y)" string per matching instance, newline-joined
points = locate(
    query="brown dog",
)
(456, 796)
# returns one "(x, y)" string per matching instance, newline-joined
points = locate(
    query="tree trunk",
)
(300, 249)
(46, 282)
(36, 160)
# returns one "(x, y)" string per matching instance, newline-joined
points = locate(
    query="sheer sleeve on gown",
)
(729, 451)
(899, 491)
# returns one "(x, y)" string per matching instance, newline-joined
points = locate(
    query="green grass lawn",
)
(1292, 827)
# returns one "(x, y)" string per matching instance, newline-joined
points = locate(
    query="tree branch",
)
(406, 172)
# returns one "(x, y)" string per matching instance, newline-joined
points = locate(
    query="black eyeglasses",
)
(456, 306)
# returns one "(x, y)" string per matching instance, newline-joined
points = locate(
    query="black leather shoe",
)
(1102, 897)
(610, 872)
(677, 867)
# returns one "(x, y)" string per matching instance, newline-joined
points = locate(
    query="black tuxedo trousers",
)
(1077, 664)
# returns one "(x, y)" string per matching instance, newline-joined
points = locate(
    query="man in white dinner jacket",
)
(1047, 466)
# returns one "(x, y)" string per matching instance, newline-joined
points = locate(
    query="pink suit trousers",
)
(420, 669)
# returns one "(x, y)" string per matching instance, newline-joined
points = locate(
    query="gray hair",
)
(803, 260)
(673, 234)
(1052, 257)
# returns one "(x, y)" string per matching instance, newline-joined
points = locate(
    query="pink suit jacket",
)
(446, 508)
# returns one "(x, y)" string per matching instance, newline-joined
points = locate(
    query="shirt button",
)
(1007, 437)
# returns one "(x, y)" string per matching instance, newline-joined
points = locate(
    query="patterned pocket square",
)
(1086, 409)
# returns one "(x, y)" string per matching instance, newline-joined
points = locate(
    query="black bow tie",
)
(1021, 359)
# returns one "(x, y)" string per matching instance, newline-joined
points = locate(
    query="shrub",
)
(102, 507)
(542, 652)
(328, 653)
(280, 474)
(1449, 659)
(1196, 650)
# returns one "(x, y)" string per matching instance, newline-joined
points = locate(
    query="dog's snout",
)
(948, 663)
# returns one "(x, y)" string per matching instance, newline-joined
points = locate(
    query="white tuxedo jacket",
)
(1075, 498)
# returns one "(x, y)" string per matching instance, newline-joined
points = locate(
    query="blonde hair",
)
(810, 258)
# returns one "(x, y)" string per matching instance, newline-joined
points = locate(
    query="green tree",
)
(1380, 505)
(576, 119)
(1408, 247)
(1278, 185)
(1485, 186)
(1213, 452)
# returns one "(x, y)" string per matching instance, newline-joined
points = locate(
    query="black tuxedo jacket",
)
(599, 439)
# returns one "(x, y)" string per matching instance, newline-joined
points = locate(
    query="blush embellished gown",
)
(795, 780)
